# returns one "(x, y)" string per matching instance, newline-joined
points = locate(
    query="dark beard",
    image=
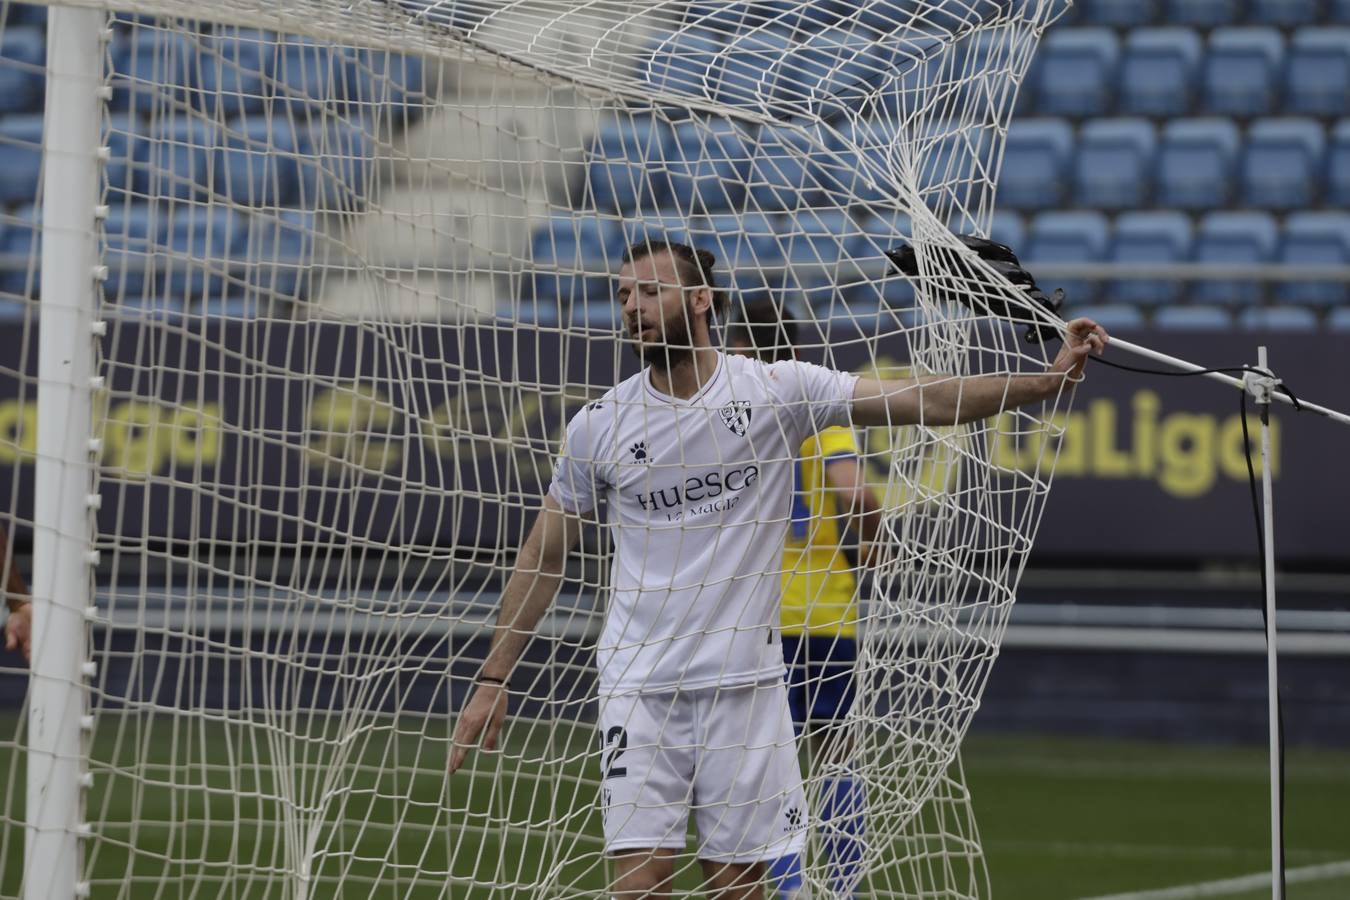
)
(676, 347)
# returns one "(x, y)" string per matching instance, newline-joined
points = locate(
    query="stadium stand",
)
(1076, 73)
(1316, 239)
(1283, 163)
(1317, 80)
(1037, 154)
(20, 156)
(1115, 164)
(708, 167)
(1203, 13)
(1159, 71)
(1145, 238)
(1243, 68)
(1069, 237)
(23, 53)
(1338, 166)
(1193, 318)
(1234, 238)
(1197, 163)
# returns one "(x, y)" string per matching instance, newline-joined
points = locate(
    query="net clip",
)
(1261, 384)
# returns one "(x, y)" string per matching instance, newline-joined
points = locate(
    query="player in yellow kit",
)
(835, 520)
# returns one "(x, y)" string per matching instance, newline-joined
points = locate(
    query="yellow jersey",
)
(819, 588)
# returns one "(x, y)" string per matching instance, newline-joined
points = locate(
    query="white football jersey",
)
(698, 494)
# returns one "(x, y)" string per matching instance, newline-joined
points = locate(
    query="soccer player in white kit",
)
(694, 459)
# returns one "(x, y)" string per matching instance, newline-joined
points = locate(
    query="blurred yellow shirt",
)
(819, 588)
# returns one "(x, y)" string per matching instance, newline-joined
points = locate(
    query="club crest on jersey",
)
(736, 416)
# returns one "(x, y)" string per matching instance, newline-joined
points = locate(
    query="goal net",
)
(360, 264)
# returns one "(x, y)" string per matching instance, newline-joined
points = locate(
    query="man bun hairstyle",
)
(693, 266)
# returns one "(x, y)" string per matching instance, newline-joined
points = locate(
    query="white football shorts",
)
(729, 755)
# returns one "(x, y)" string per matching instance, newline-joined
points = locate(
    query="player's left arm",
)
(845, 477)
(955, 400)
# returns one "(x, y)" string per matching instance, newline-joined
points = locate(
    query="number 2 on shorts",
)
(616, 742)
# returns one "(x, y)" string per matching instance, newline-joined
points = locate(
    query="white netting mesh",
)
(360, 274)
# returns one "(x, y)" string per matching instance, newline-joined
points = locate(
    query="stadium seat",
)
(741, 242)
(20, 158)
(812, 237)
(1008, 228)
(152, 70)
(1120, 13)
(708, 164)
(234, 69)
(18, 14)
(1067, 237)
(655, 228)
(1315, 239)
(1278, 318)
(1149, 238)
(742, 78)
(1112, 316)
(1317, 79)
(23, 53)
(257, 162)
(836, 66)
(1339, 319)
(1197, 163)
(128, 150)
(22, 248)
(1193, 318)
(1114, 165)
(681, 63)
(376, 78)
(1159, 71)
(572, 259)
(131, 232)
(1284, 13)
(1035, 160)
(784, 171)
(881, 231)
(1243, 69)
(199, 239)
(1338, 166)
(1234, 238)
(1076, 74)
(304, 74)
(178, 158)
(622, 154)
(278, 247)
(334, 165)
(1203, 13)
(1283, 164)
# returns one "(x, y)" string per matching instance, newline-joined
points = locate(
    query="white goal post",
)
(321, 283)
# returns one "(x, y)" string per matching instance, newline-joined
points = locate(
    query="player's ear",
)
(700, 301)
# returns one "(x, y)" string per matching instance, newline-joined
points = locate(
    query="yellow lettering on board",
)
(1186, 451)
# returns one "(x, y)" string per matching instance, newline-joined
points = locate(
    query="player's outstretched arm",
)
(847, 478)
(528, 593)
(954, 400)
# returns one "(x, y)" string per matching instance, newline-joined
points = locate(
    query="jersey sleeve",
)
(818, 397)
(578, 479)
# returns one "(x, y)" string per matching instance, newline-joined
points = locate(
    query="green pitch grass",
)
(1058, 817)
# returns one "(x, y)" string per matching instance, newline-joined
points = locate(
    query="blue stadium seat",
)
(1193, 318)
(23, 245)
(23, 53)
(818, 237)
(1203, 13)
(20, 158)
(1035, 160)
(681, 63)
(708, 165)
(306, 73)
(620, 161)
(882, 230)
(1008, 228)
(131, 231)
(1197, 163)
(1067, 237)
(1339, 319)
(1114, 165)
(740, 242)
(743, 78)
(14, 310)
(1283, 164)
(235, 66)
(1227, 238)
(1159, 71)
(655, 228)
(334, 165)
(1112, 316)
(257, 163)
(1284, 13)
(1076, 74)
(379, 78)
(1278, 318)
(1243, 69)
(178, 158)
(278, 247)
(1120, 13)
(1317, 80)
(572, 259)
(152, 70)
(1316, 239)
(784, 169)
(1338, 166)
(128, 150)
(199, 239)
(837, 66)
(1146, 238)
(17, 14)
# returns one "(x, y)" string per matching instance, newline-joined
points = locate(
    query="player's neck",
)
(687, 374)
